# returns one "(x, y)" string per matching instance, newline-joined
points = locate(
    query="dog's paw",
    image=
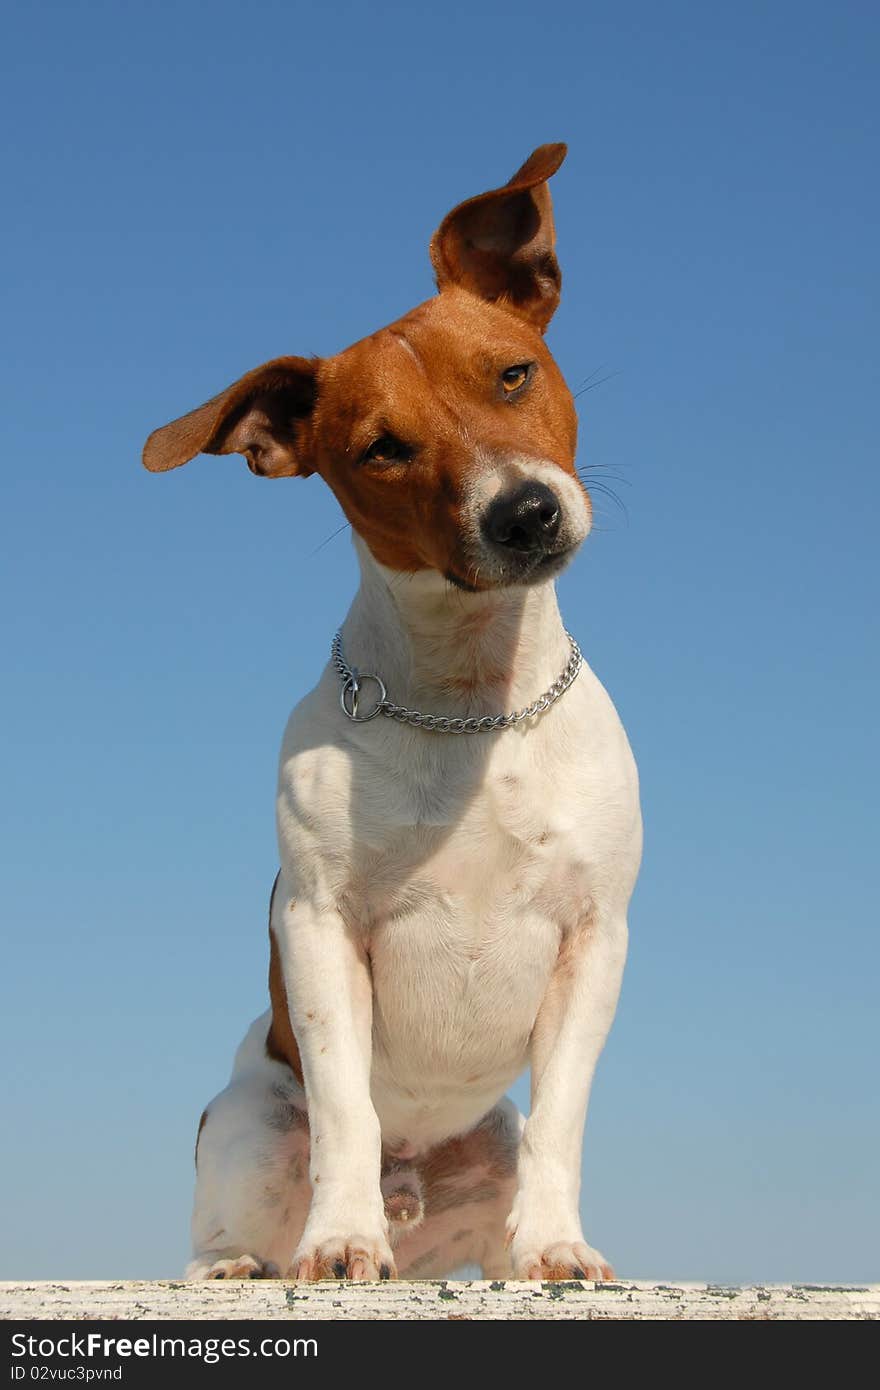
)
(560, 1260)
(242, 1267)
(344, 1257)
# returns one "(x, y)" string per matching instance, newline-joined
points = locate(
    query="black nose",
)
(525, 520)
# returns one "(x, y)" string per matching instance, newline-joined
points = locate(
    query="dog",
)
(457, 808)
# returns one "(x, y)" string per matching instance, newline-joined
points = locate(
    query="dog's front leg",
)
(329, 992)
(544, 1227)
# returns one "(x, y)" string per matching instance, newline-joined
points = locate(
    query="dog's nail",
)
(255, 1274)
(339, 1269)
(578, 1273)
(218, 1275)
(384, 1272)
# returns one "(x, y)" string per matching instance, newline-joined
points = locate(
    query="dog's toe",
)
(355, 1258)
(242, 1267)
(563, 1260)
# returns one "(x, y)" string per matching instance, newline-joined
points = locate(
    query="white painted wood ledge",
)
(445, 1300)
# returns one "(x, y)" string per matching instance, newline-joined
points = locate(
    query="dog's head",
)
(449, 436)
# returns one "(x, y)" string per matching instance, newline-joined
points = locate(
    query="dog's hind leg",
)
(252, 1171)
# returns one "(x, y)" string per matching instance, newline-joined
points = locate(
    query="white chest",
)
(465, 897)
(465, 862)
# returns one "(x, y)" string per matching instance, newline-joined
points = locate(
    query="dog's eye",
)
(387, 449)
(515, 378)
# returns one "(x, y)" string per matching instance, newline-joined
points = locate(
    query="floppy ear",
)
(500, 245)
(263, 416)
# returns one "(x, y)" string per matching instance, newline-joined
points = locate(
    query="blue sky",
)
(195, 188)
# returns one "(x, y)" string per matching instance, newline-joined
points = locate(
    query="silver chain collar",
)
(353, 679)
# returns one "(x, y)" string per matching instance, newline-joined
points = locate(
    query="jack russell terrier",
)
(457, 805)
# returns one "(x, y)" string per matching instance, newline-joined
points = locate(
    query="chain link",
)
(439, 723)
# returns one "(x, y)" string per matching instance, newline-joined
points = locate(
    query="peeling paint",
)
(496, 1300)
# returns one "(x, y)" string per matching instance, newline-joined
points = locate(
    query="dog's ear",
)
(500, 245)
(264, 416)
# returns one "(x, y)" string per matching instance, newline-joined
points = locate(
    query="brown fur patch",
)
(501, 244)
(280, 1040)
(472, 1167)
(437, 406)
(445, 1198)
(429, 387)
(199, 1135)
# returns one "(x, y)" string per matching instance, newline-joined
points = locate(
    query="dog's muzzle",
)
(524, 534)
(525, 521)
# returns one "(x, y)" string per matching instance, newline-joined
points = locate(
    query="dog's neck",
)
(444, 651)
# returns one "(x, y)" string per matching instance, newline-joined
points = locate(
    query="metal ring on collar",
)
(352, 686)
